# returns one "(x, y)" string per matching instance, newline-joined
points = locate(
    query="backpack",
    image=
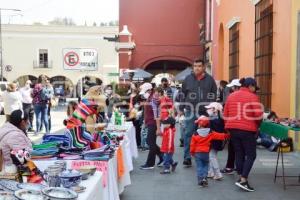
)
(45, 95)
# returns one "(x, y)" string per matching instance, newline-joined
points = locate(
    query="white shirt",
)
(26, 95)
(12, 101)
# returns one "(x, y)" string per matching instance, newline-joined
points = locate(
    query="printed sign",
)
(101, 166)
(80, 59)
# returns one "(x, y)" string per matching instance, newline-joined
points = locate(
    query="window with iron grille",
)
(264, 50)
(234, 52)
(43, 58)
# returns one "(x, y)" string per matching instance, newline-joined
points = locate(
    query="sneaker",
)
(227, 171)
(245, 186)
(201, 184)
(210, 175)
(160, 163)
(187, 162)
(174, 165)
(205, 182)
(218, 178)
(146, 167)
(165, 171)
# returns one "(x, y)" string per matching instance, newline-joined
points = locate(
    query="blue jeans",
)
(168, 160)
(202, 162)
(41, 114)
(144, 132)
(190, 128)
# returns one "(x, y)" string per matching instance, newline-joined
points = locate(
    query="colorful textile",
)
(85, 108)
(78, 137)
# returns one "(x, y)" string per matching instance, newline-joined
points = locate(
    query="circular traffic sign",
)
(71, 58)
(8, 68)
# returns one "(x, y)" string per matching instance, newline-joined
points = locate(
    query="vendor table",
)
(281, 132)
(93, 187)
(110, 184)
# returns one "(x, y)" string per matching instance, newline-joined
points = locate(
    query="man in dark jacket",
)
(199, 90)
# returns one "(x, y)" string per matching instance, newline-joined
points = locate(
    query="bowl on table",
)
(25, 194)
(59, 193)
(7, 195)
(70, 178)
(88, 169)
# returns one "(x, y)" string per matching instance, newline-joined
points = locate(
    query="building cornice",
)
(254, 2)
(233, 21)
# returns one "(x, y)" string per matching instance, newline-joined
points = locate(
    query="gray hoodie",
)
(12, 138)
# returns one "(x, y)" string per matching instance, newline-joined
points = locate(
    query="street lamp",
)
(1, 50)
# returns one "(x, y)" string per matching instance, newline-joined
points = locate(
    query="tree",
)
(103, 24)
(62, 21)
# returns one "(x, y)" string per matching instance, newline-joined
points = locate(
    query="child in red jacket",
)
(200, 147)
(167, 146)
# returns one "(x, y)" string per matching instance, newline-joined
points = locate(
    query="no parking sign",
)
(80, 59)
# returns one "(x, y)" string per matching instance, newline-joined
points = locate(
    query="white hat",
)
(215, 105)
(234, 82)
(145, 87)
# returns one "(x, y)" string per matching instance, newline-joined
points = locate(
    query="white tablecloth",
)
(114, 186)
(94, 188)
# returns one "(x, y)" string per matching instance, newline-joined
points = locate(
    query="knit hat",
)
(202, 121)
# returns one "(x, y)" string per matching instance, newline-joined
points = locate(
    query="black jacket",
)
(199, 92)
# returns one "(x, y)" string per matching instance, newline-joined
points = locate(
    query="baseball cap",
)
(234, 82)
(169, 120)
(202, 121)
(250, 81)
(215, 105)
(145, 87)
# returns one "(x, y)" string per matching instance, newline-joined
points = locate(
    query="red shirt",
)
(165, 105)
(201, 144)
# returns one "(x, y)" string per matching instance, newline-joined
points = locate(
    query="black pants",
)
(154, 150)
(231, 156)
(137, 126)
(28, 109)
(245, 150)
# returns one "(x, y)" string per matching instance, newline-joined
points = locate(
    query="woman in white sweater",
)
(12, 100)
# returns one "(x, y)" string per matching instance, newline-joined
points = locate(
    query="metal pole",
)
(1, 57)
(1, 47)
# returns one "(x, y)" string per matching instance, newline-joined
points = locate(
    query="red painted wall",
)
(163, 29)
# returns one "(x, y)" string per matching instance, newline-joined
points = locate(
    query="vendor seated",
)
(13, 137)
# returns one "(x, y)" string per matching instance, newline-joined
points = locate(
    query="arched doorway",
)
(85, 83)
(220, 69)
(22, 80)
(62, 86)
(167, 66)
